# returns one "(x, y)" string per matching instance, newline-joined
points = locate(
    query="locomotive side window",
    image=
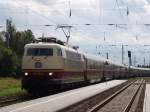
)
(73, 55)
(59, 52)
(40, 52)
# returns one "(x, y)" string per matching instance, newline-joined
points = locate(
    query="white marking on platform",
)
(59, 101)
(146, 107)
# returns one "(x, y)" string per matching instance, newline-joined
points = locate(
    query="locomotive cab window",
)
(40, 52)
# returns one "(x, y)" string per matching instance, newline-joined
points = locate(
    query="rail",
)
(127, 108)
(11, 99)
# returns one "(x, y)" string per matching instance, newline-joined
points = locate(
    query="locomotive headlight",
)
(50, 74)
(26, 74)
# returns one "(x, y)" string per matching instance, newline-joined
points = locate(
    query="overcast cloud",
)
(34, 14)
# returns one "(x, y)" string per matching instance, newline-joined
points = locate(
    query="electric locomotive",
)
(51, 65)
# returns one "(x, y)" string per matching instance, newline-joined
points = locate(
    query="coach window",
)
(59, 52)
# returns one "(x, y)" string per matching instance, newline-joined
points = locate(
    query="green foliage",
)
(2, 41)
(8, 61)
(11, 49)
(19, 40)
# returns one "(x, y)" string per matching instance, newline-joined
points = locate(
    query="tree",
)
(8, 61)
(12, 44)
(19, 40)
(2, 38)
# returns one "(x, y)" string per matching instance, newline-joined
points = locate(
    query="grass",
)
(10, 87)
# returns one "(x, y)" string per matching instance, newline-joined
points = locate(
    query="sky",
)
(113, 23)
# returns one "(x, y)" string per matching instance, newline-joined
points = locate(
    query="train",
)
(50, 64)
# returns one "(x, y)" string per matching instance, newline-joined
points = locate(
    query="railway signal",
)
(130, 61)
(129, 54)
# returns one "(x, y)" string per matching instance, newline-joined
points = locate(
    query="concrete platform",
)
(146, 107)
(59, 101)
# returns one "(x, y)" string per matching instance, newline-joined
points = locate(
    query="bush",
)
(8, 62)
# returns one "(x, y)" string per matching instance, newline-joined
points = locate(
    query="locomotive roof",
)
(40, 44)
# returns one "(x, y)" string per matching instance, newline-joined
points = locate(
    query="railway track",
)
(4, 101)
(120, 101)
(8, 100)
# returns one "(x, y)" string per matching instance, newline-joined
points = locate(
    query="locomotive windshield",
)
(40, 52)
